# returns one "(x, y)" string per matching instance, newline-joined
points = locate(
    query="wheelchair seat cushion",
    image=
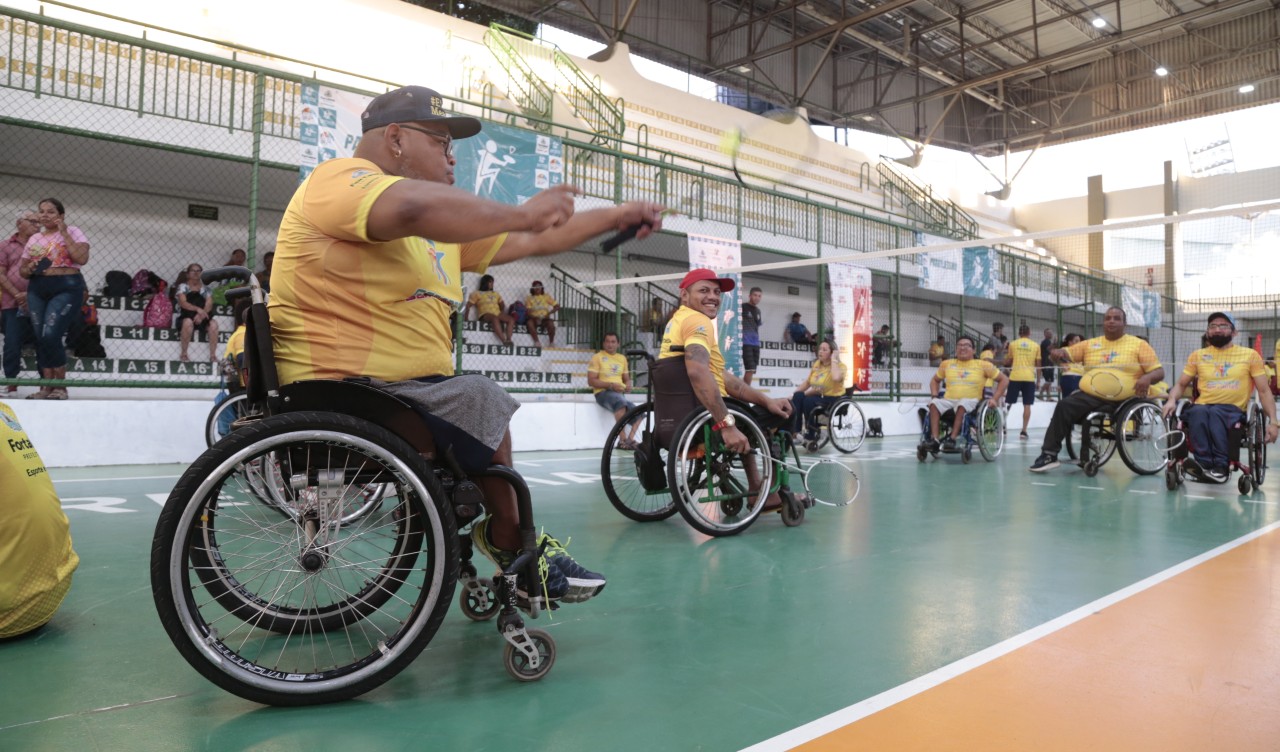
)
(469, 413)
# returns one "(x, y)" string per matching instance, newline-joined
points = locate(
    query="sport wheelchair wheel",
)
(297, 608)
(709, 483)
(989, 423)
(848, 426)
(230, 409)
(1142, 438)
(1257, 445)
(1101, 445)
(635, 480)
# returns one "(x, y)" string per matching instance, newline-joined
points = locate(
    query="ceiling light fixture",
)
(1161, 70)
(868, 118)
(1246, 88)
(743, 69)
(1099, 22)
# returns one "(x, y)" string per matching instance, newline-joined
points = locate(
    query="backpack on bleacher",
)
(118, 284)
(159, 310)
(518, 312)
(143, 282)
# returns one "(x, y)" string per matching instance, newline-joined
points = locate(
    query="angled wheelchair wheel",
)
(990, 427)
(1257, 445)
(1142, 438)
(1102, 443)
(848, 427)
(715, 489)
(292, 606)
(222, 415)
(635, 480)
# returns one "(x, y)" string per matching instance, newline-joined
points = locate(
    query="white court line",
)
(1257, 501)
(132, 477)
(1051, 485)
(1092, 488)
(1193, 496)
(858, 711)
(1134, 490)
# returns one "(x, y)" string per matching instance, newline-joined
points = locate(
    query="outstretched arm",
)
(450, 215)
(580, 228)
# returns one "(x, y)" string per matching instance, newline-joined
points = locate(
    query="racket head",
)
(1101, 382)
(772, 149)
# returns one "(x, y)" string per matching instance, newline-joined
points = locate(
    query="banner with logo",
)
(974, 272)
(1141, 307)
(328, 125)
(707, 252)
(851, 312)
(508, 164)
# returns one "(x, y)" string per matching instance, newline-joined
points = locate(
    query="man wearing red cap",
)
(368, 269)
(1225, 374)
(691, 334)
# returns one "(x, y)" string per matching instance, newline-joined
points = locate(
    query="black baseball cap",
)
(415, 104)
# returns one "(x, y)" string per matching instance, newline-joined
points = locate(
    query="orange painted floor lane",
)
(1192, 663)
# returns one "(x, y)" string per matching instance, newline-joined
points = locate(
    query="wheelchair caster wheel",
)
(792, 509)
(1091, 468)
(518, 662)
(731, 507)
(1171, 478)
(965, 455)
(478, 601)
(921, 451)
(812, 446)
(1245, 484)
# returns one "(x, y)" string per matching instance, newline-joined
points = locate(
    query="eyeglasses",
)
(445, 140)
(1220, 327)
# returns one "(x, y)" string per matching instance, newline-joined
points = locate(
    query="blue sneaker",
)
(581, 584)
(557, 585)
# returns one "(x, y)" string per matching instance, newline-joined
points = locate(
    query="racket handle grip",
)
(620, 238)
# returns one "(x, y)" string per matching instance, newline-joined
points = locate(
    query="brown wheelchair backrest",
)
(673, 397)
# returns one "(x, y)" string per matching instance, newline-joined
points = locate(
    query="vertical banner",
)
(508, 164)
(329, 125)
(1141, 307)
(981, 273)
(974, 272)
(707, 252)
(851, 312)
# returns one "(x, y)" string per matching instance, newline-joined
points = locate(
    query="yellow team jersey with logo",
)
(343, 304)
(966, 378)
(990, 357)
(1025, 353)
(608, 368)
(235, 346)
(820, 379)
(486, 302)
(689, 327)
(1126, 358)
(36, 558)
(539, 306)
(936, 351)
(1224, 375)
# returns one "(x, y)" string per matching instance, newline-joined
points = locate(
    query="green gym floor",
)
(697, 643)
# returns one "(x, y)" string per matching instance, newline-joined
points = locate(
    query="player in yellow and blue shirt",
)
(966, 378)
(609, 379)
(368, 269)
(1023, 359)
(1125, 363)
(1226, 374)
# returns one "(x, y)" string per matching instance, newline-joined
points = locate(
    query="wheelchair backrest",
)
(673, 397)
(263, 385)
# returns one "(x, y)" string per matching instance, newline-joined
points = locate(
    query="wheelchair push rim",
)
(709, 484)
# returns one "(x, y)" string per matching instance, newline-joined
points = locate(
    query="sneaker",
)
(556, 584)
(1216, 475)
(1045, 462)
(583, 584)
(932, 444)
(1191, 467)
(9, 391)
(1023, 436)
(949, 445)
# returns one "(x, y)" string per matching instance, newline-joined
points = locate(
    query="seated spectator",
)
(15, 318)
(824, 385)
(237, 258)
(84, 338)
(938, 351)
(264, 276)
(798, 333)
(881, 342)
(195, 312)
(490, 309)
(36, 557)
(609, 379)
(539, 307)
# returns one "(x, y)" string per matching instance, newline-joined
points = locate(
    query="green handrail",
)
(532, 94)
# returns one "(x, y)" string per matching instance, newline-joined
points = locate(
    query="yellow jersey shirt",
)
(487, 302)
(609, 368)
(36, 557)
(820, 379)
(936, 351)
(235, 347)
(343, 304)
(966, 378)
(1224, 375)
(1126, 358)
(990, 357)
(689, 327)
(1025, 353)
(539, 306)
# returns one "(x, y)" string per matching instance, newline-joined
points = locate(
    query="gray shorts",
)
(943, 404)
(469, 413)
(612, 401)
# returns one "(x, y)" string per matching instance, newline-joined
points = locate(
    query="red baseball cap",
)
(699, 275)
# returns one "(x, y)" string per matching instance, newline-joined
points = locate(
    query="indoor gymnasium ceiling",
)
(977, 75)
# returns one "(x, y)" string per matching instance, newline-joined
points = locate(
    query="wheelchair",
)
(843, 424)
(1248, 452)
(982, 428)
(681, 465)
(311, 554)
(1135, 428)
